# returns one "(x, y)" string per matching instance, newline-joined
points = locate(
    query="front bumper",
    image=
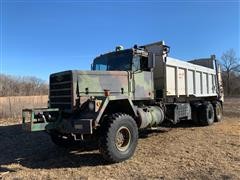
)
(41, 119)
(36, 119)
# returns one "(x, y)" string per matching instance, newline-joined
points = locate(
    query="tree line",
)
(22, 86)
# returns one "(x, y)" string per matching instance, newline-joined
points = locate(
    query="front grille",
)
(60, 95)
(63, 78)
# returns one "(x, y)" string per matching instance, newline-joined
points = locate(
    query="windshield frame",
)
(115, 56)
(114, 59)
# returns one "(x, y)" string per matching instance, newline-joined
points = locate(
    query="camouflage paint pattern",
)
(143, 85)
(93, 83)
(105, 103)
(121, 84)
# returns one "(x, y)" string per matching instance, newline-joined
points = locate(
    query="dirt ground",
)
(180, 152)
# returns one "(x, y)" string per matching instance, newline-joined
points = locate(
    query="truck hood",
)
(67, 86)
(95, 82)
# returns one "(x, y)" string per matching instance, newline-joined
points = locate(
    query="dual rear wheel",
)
(206, 113)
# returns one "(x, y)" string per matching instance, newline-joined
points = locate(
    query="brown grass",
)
(11, 107)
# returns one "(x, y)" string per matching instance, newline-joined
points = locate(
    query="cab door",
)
(142, 79)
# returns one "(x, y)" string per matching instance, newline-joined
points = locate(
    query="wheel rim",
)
(123, 138)
(218, 111)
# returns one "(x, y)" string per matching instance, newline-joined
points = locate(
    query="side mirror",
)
(151, 60)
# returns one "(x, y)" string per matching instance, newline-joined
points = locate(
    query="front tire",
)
(119, 136)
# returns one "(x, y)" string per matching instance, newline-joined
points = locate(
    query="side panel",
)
(190, 82)
(143, 85)
(198, 83)
(204, 84)
(181, 82)
(171, 82)
(210, 82)
(187, 79)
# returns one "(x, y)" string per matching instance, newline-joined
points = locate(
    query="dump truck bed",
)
(188, 79)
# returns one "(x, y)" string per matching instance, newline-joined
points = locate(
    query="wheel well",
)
(122, 106)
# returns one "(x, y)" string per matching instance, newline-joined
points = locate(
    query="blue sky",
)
(41, 37)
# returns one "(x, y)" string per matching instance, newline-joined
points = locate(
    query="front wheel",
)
(119, 136)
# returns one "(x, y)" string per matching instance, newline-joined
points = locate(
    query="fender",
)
(112, 99)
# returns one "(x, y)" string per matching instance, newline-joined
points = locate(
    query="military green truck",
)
(126, 91)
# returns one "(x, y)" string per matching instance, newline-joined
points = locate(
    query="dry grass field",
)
(12, 106)
(179, 152)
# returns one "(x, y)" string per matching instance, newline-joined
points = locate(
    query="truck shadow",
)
(35, 150)
(181, 124)
(166, 127)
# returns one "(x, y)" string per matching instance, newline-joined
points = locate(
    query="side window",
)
(144, 64)
(136, 63)
(100, 63)
(101, 67)
(140, 63)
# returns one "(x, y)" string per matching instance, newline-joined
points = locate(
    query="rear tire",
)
(218, 110)
(118, 138)
(207, 114)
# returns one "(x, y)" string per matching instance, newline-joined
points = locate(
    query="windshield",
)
(119, 61)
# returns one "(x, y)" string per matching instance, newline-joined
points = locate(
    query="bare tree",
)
(231, 65)
(22, 86)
